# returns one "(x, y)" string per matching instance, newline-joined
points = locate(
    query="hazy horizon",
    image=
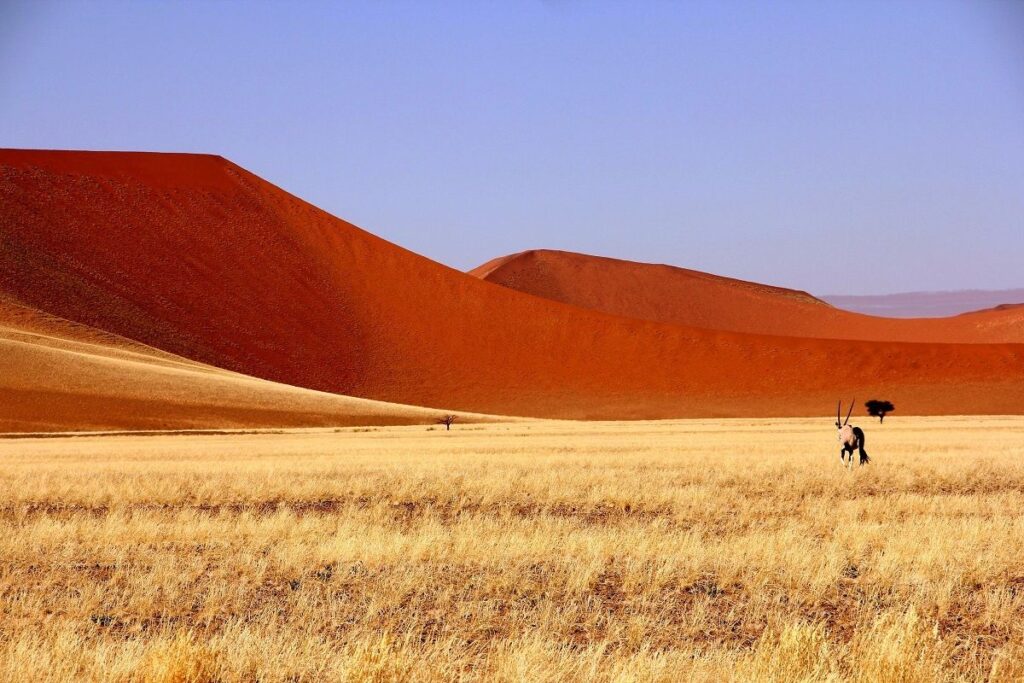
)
(849, 147)
(926, 304)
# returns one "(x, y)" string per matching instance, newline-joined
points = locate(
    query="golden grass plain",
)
(703, 550)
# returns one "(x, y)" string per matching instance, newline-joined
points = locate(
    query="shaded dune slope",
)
(195, 256)
(56, 375)
(687, 297)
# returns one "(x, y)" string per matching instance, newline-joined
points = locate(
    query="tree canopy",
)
(879, 409)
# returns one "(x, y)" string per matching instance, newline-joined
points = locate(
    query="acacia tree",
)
(879, 409)
(447, 421)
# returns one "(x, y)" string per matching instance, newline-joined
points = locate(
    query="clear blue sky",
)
(838, 147)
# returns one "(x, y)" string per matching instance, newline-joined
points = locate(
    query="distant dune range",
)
(196, 257)
(928, 304)
(688, 297)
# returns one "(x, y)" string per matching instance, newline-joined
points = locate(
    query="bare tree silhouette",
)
(447, 421)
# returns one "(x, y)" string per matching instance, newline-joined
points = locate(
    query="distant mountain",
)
(927, 304)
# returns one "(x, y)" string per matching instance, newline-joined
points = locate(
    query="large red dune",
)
(688, 297)
(195, 256)
(56, 375)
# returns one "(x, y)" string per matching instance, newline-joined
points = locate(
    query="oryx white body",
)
(850, 438)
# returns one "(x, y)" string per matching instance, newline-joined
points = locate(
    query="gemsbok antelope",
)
(850, 438)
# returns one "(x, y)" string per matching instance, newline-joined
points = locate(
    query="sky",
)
(859, 147)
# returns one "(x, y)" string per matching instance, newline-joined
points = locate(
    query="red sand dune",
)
(197, 257)
(56, 375)
(688, 297)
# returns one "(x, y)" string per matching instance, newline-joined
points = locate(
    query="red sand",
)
(195, 256)
(56, 375)
(688, 297)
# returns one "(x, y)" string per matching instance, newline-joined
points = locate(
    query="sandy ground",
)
(685, 550)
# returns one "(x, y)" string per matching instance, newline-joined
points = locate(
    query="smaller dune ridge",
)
(1000, 307)
(669, 294)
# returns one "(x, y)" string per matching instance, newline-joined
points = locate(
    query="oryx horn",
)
(848, 414)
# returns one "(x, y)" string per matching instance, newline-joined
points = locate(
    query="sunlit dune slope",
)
(688, 297)
(195, 256)
(56, 375)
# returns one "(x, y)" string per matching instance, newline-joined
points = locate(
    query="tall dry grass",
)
(715, 550)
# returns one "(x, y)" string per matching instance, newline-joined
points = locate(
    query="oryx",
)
(850, 438)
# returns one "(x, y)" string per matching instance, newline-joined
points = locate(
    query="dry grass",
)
(699, 550)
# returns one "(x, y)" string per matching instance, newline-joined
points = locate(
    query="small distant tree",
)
(447, 421)
(879, 409)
